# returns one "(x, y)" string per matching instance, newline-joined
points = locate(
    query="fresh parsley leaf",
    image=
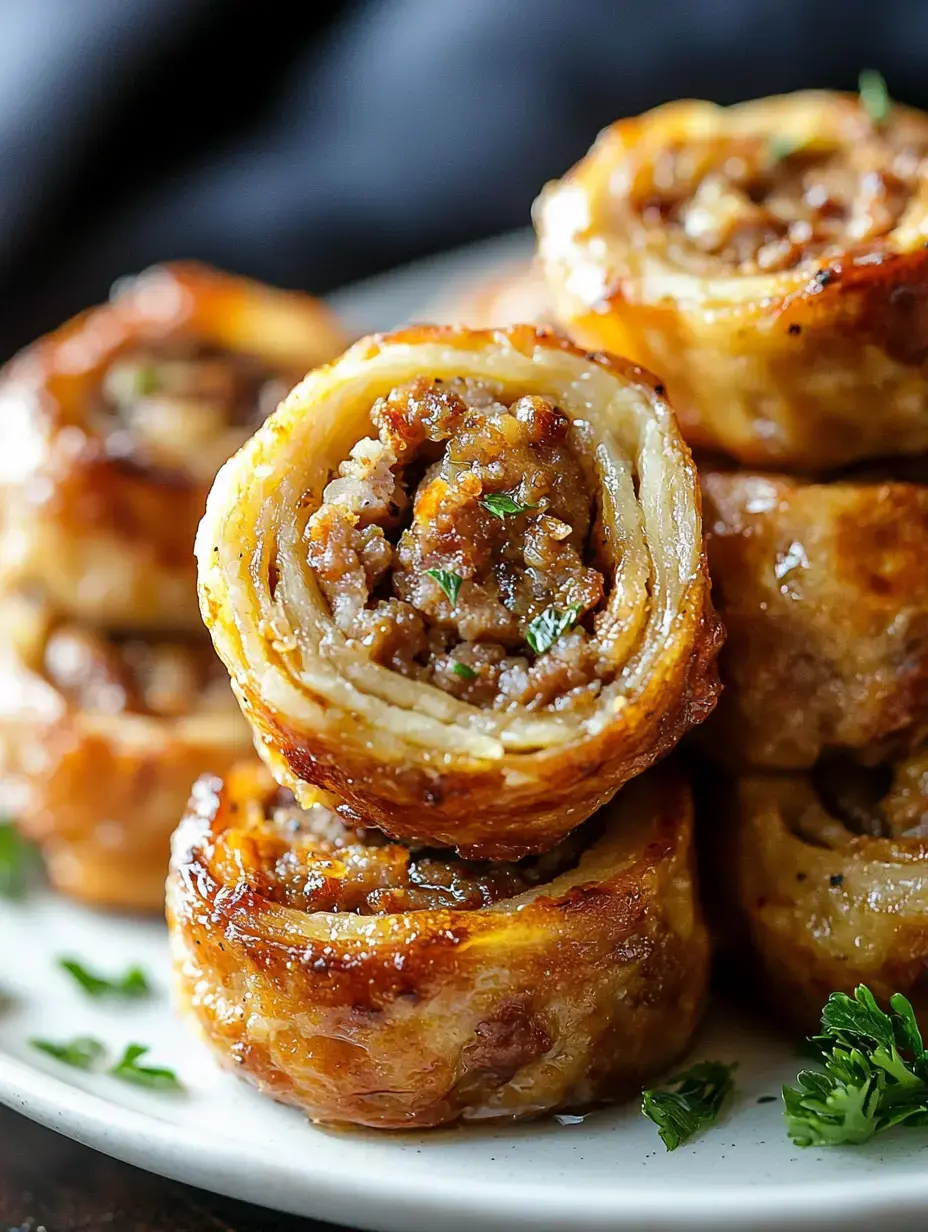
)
(547, 627)
(449, 582)
(465, 672)
(503, 505)
(132, 983)
(874, 1075)
(157, 1077)
(874, 96)
(780, 146)
(693, 1105)
(18, 861)
(82, 1052)
(146, 380)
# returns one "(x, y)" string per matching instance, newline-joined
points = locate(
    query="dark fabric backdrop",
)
(313, 144)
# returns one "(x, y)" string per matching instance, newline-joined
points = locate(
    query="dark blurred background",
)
(311, 144)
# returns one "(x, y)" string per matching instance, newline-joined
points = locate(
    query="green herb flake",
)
(547, 627)
(462, 670)
(156, 1077)
(874, 96)
(83, 1052)
(694, 1104)
(132, 984)
(18, 862)
(504, 505)
(781, 147)
(145, 380)
(449, 582)
(874, 1074)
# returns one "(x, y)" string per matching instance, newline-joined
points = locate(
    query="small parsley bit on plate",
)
(157, 1077)
(132, 984)
(18, 862)
(83, 1052)
(874, 1074)
(695, 1103)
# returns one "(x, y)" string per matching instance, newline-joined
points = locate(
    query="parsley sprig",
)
(548, 626)
(874, 1075)
(81, 1052)
(694, 1103)
(133, 983)
(127, 1068)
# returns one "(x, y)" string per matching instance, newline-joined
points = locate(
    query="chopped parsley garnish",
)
(18, 861)
(874, 96)
(694, 1103)
(132, 983)
(547, 627)
(128, 1070)
(449, 582)
(82, 1052)
(874, 1074)
(465, 672)
(781, 146)
(145, 380)
(503, 505)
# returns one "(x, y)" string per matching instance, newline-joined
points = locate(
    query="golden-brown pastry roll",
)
(458, 581)
(101, 738)
(769, 260)
(113, 427)
(823, 882)
(371, 984)
(823, 589)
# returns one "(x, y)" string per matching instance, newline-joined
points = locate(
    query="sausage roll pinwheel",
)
(100, 740)
(768, 259)
(824, 881)
(113, 427)
(824, 594)
(369, 983)
(458, 581)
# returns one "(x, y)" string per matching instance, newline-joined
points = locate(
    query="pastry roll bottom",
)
(370, 983)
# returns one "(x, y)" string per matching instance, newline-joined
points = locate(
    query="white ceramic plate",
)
(608, 1172)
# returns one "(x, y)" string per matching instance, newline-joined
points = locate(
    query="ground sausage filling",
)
(881, 801)
(309, 860)
(185, 407)
(758, 205)
(108, 675)
(460, 547)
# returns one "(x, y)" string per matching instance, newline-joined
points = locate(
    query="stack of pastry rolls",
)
(771, 261)
(111, 431)
(459, 583)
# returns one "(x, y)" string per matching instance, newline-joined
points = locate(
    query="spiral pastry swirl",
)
(370, 984)
(113, 427)
(824, 883)
(100, 739)
(769, 260)
(824, 595)
(458, 581)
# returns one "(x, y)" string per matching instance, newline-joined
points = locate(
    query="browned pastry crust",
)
(364, 696)
(769, 260)
(811, 904)
(113, 426)
(419, 1012)
(100, 740)
(823, 589)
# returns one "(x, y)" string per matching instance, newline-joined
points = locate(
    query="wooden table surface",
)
(48, 1182)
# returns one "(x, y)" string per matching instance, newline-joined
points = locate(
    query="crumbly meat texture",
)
(183, 406)
(762, 205)
(309, 860)
(455, 547)
(107, 675)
